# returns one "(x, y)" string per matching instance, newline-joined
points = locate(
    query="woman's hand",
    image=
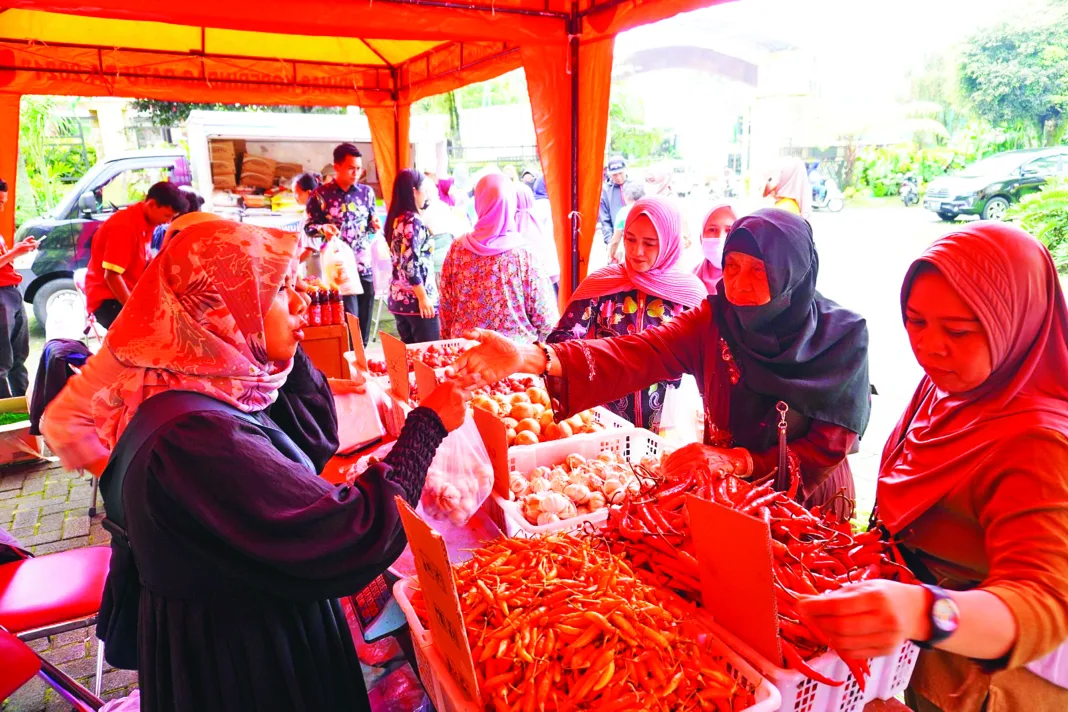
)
(718, 461)
(426, 309)
(329, 231)
(494, 358)
(871, 618)
(449, 401)
(345, 386)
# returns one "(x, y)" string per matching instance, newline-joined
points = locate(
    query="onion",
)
(596, 501)
(539, 484)
(558, 484)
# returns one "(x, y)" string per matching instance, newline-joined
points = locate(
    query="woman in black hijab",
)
(766, 336)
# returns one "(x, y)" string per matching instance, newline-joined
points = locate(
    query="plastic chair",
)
(20, 664)
(53, 594)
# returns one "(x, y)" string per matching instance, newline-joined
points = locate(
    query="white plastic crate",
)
(889, 677)
(448, 696)
(631, 444)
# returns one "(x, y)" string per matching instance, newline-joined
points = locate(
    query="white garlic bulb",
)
(547, 518)
(579, 494)
(554, 503)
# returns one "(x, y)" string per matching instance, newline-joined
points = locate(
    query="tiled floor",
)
(46, 509)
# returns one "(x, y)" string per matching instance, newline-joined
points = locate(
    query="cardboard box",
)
(16, 443)
(326, 347)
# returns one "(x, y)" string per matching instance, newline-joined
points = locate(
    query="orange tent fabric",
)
(379, 54)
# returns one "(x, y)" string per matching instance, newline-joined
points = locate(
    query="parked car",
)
(67, 230)
(987, 187)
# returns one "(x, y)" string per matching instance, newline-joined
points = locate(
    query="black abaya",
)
(242, 552)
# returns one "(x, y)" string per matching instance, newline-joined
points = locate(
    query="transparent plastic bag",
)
(460, 477)
(681, 416)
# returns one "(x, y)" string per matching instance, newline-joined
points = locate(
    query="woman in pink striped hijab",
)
(647, 290)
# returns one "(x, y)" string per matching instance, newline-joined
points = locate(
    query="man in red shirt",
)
(14, 332)
(120, 250)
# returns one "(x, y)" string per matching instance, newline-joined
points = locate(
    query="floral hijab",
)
(195, 322)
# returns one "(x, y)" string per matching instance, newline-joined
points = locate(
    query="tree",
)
(1016, 74)
(175, 113)
(629, 136)
(46, 161)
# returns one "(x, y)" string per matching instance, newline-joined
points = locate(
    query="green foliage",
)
(50, 155)
(628, 134)
(1045, 215)
(881, 168)
(175, 113)
(1016, 74)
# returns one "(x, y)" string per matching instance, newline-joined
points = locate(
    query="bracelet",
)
(548, 357)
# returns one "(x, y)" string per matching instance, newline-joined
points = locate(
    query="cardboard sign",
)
(425, 378)
(734, 551)
(357, 342)
(447, 626)
(495, 438)
(396, 365)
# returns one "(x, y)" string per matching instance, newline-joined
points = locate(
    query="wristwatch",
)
(944, 616)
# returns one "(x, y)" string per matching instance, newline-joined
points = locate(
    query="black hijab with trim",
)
(800, 347)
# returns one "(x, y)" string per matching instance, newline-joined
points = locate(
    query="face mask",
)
(713, 249)
(425, 205)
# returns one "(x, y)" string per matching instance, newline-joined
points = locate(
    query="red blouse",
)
(600, 370)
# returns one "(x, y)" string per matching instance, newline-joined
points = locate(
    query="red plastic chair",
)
(48, 595)
(20, 664)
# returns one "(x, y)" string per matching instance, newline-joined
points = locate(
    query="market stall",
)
(588, 573)
(381, 56)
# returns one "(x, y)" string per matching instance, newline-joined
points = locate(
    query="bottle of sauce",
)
(338, 306)
(315, 310)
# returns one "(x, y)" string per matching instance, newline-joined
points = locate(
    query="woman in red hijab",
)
(974, 484)
(647, 290)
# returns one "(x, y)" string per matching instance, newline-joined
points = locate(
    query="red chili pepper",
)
(794, 660)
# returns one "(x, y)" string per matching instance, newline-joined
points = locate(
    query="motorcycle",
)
(832, 199)
(909, 191)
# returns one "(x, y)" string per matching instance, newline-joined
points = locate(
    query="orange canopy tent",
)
(379, 54)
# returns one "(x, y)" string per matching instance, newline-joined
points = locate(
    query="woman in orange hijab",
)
(973, 484)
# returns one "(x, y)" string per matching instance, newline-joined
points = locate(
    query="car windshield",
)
(993, 165)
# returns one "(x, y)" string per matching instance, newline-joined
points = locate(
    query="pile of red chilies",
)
(813, 553)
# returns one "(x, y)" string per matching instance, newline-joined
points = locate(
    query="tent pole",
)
(573, 41)
(9, 161)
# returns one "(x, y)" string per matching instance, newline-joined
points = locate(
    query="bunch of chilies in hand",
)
(813, 551)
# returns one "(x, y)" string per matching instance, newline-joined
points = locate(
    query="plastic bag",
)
(358, 421)
(681, 416)
(132, 703)
(460, 477)
(339, 268)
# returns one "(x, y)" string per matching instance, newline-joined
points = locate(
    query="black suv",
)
(987, 187)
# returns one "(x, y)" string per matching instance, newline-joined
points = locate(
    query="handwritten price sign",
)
(442, 602)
